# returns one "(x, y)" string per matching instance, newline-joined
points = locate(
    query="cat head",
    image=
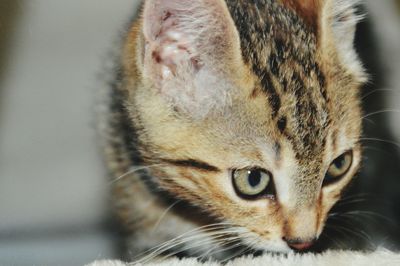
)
(249, 109)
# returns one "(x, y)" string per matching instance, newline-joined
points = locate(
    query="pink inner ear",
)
(157, 16)
(170, 46)
(309, 10)
(189, 45)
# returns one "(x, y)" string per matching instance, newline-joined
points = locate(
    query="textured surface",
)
(378, 258)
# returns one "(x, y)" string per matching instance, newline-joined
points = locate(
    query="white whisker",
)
(381, 112)
(163, 215)
(377, 90)
(336, 242)
(369, 214)
(382, 140)
(132, 170)
(185, 237)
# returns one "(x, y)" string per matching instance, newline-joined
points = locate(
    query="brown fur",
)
(293, 101)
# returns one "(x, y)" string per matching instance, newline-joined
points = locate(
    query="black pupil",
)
(339, 162)
(254, 178)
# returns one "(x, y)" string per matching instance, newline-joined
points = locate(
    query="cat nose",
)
(299, 244)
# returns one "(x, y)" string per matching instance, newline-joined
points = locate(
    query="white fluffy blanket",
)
(329, 258)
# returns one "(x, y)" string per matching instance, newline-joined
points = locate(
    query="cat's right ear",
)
(191, 49)
(338, 20)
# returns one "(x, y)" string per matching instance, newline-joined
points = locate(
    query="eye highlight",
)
(338, 168)
(252, 183)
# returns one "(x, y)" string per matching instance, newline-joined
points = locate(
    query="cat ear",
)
(338, 22)
(191, 49)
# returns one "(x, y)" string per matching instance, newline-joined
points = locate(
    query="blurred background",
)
(53, 188)
(53, 185)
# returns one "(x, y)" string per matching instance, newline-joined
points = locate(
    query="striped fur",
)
(290, 105)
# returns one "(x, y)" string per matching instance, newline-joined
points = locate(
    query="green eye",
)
(338, 168)
(252, 183)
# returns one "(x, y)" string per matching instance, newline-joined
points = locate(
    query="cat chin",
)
(274, 246)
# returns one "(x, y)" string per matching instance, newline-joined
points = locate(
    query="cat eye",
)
(253, 183)
(338, 168)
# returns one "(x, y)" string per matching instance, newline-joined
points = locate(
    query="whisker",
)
(232, 243)
(248, 247)
(369, 214)
(334, 227)
(376, 149)
(193, 240)
(358, 195)
(351, 201)
(222, 237)
(183, 237)
(335, 241)
(382, 140)
(236, 240)
(237, 254)
(381, 112)
(370, 121)
(216, 242)
(132, 170)
(377, 90)
(360, 234)
(156, 225)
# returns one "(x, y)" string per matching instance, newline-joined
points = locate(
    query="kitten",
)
(245, 116)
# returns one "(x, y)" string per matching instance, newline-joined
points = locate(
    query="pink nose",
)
(298, 244)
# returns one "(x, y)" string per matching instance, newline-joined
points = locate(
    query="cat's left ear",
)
(191, 53)
(337, 26)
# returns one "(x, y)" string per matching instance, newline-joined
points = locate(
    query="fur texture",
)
(208, 87)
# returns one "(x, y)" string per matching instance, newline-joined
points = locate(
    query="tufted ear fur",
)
(192, 51)
(335, 22)
(338, 26)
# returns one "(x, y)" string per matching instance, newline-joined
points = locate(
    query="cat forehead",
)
(280, 48)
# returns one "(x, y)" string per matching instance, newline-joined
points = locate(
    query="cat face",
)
(250, 111)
